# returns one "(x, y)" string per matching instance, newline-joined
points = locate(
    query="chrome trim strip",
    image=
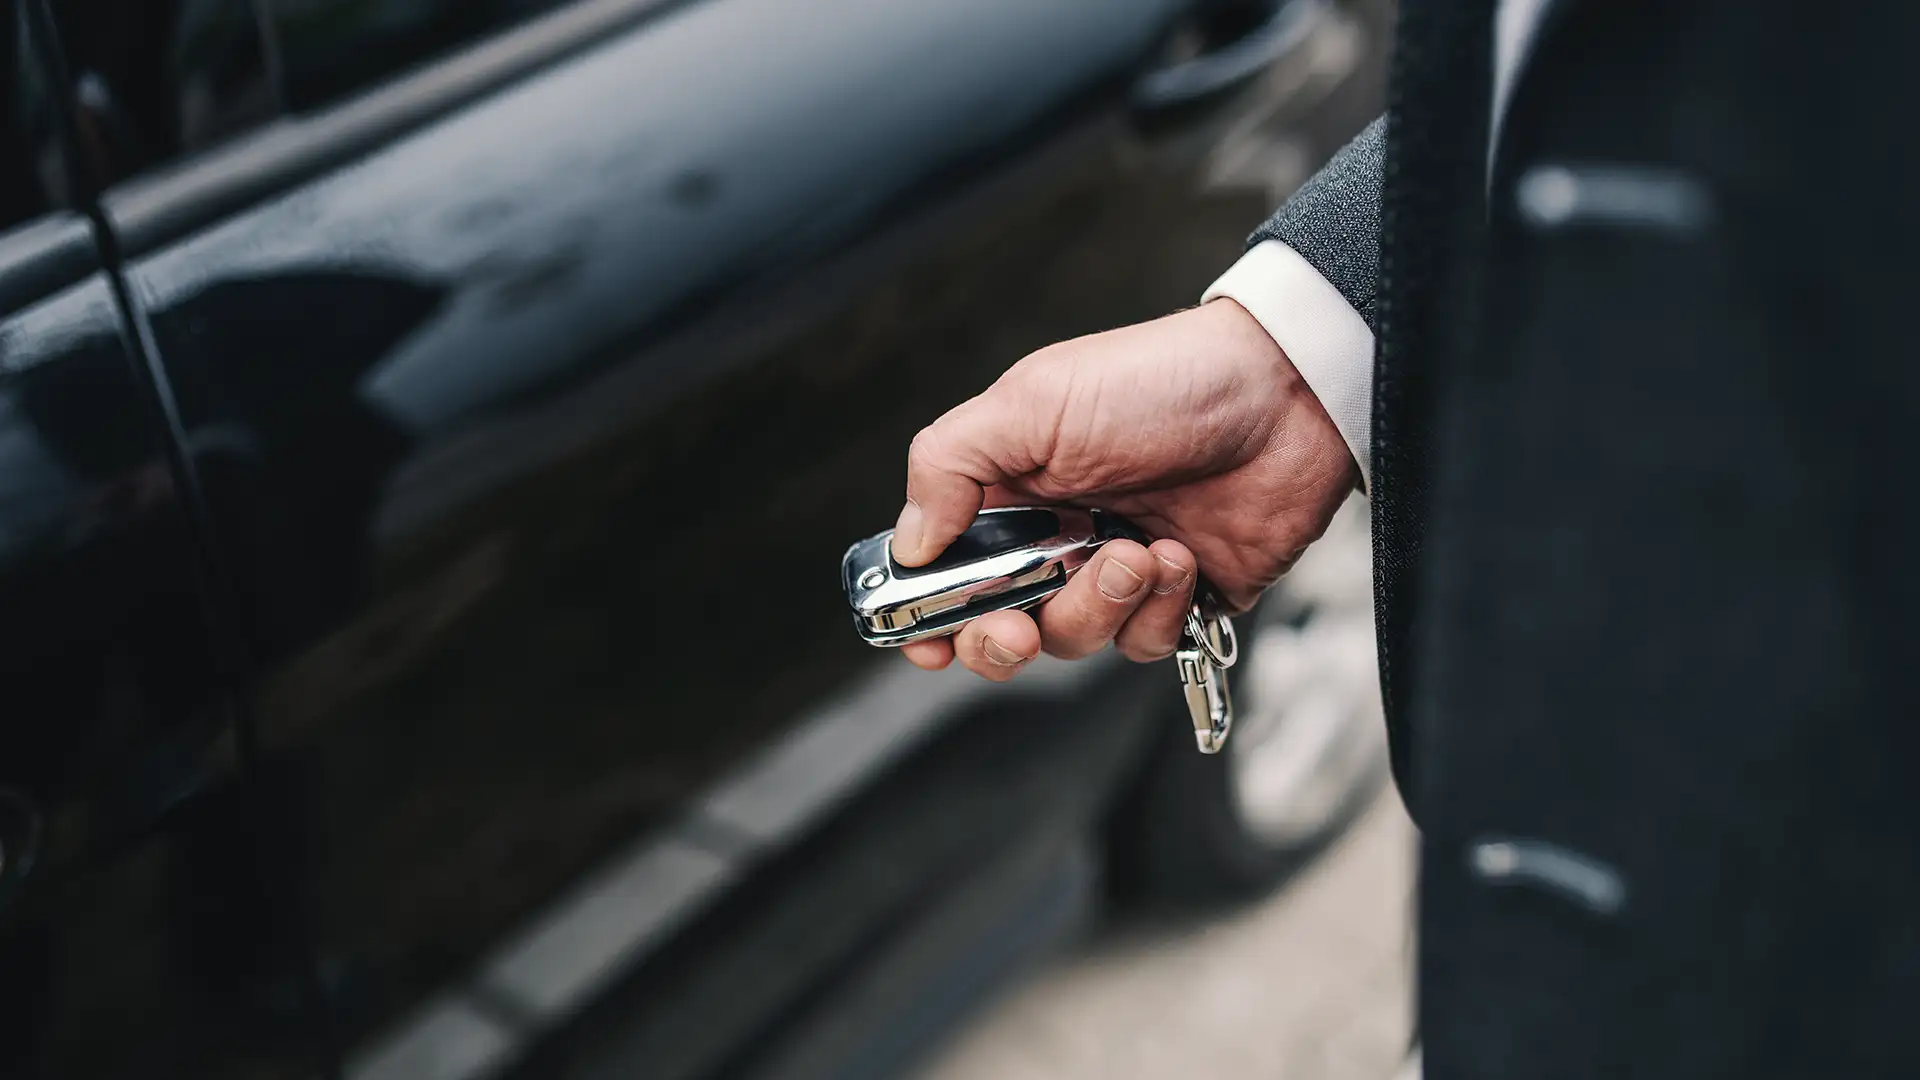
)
(447, 1040)
(577, 946)
(40, 257)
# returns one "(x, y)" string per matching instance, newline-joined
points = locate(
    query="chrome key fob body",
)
(1016, 557)
(1010, 558)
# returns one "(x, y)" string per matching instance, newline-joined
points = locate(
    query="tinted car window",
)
(154, 79)
(31, 180)
(331, 48)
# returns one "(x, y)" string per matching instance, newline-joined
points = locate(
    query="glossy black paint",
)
(331, 48)
(524, 509)
(531, 421)
(143, 906)
(132, 885)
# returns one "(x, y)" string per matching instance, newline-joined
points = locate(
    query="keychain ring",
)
(1228, 651)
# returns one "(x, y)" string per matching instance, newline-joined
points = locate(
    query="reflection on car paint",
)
(150, 895)
(453, 532)
(487, 419)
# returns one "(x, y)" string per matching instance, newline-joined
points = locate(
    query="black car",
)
(429, 430)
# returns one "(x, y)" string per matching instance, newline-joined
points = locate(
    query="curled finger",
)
(997, 645)
(1154, 630)
(1083, 617)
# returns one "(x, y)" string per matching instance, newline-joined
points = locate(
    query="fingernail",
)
(1178, 583)
(1118, 580)
(906, 532)
(1000, 654)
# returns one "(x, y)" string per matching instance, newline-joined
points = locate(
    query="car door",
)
(539, 362)
(145, 925)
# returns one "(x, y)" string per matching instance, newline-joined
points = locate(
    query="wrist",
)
(1305, 421)
(1324, 337)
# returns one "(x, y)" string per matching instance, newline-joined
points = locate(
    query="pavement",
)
(1312, 983)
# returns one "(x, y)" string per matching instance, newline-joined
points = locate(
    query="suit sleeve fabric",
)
(1308, 279)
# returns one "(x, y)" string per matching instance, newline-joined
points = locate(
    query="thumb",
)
(949, 467)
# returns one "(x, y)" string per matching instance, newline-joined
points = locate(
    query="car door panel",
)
(532, 435)
(146, 925)
(140, 930)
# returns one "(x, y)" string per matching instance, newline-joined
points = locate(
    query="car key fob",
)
(1009, 558)
(1017, 557)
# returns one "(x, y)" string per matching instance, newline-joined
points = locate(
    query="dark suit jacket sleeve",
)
(1333, 221)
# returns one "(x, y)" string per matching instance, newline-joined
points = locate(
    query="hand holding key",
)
(1195, 426)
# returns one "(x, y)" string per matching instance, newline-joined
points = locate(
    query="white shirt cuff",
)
(1327, 340)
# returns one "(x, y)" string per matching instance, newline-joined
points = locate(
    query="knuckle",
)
(1071, 648)
(1152, 636)
(1145, 652)
(1036, 363)
(923, 451)
(1155, 641)
(1076, 611)
(1072, 643)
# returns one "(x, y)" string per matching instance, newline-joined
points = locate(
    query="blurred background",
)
(428, 433)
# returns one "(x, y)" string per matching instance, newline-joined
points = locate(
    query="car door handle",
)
(1229, 65)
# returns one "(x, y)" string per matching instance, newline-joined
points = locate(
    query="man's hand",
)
(1196, 426)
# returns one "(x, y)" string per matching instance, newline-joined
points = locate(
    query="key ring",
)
(1227, 651)
(1209, 648)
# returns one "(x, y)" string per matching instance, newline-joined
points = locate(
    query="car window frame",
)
(56, 248)
(151, 211)
(44, 254)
